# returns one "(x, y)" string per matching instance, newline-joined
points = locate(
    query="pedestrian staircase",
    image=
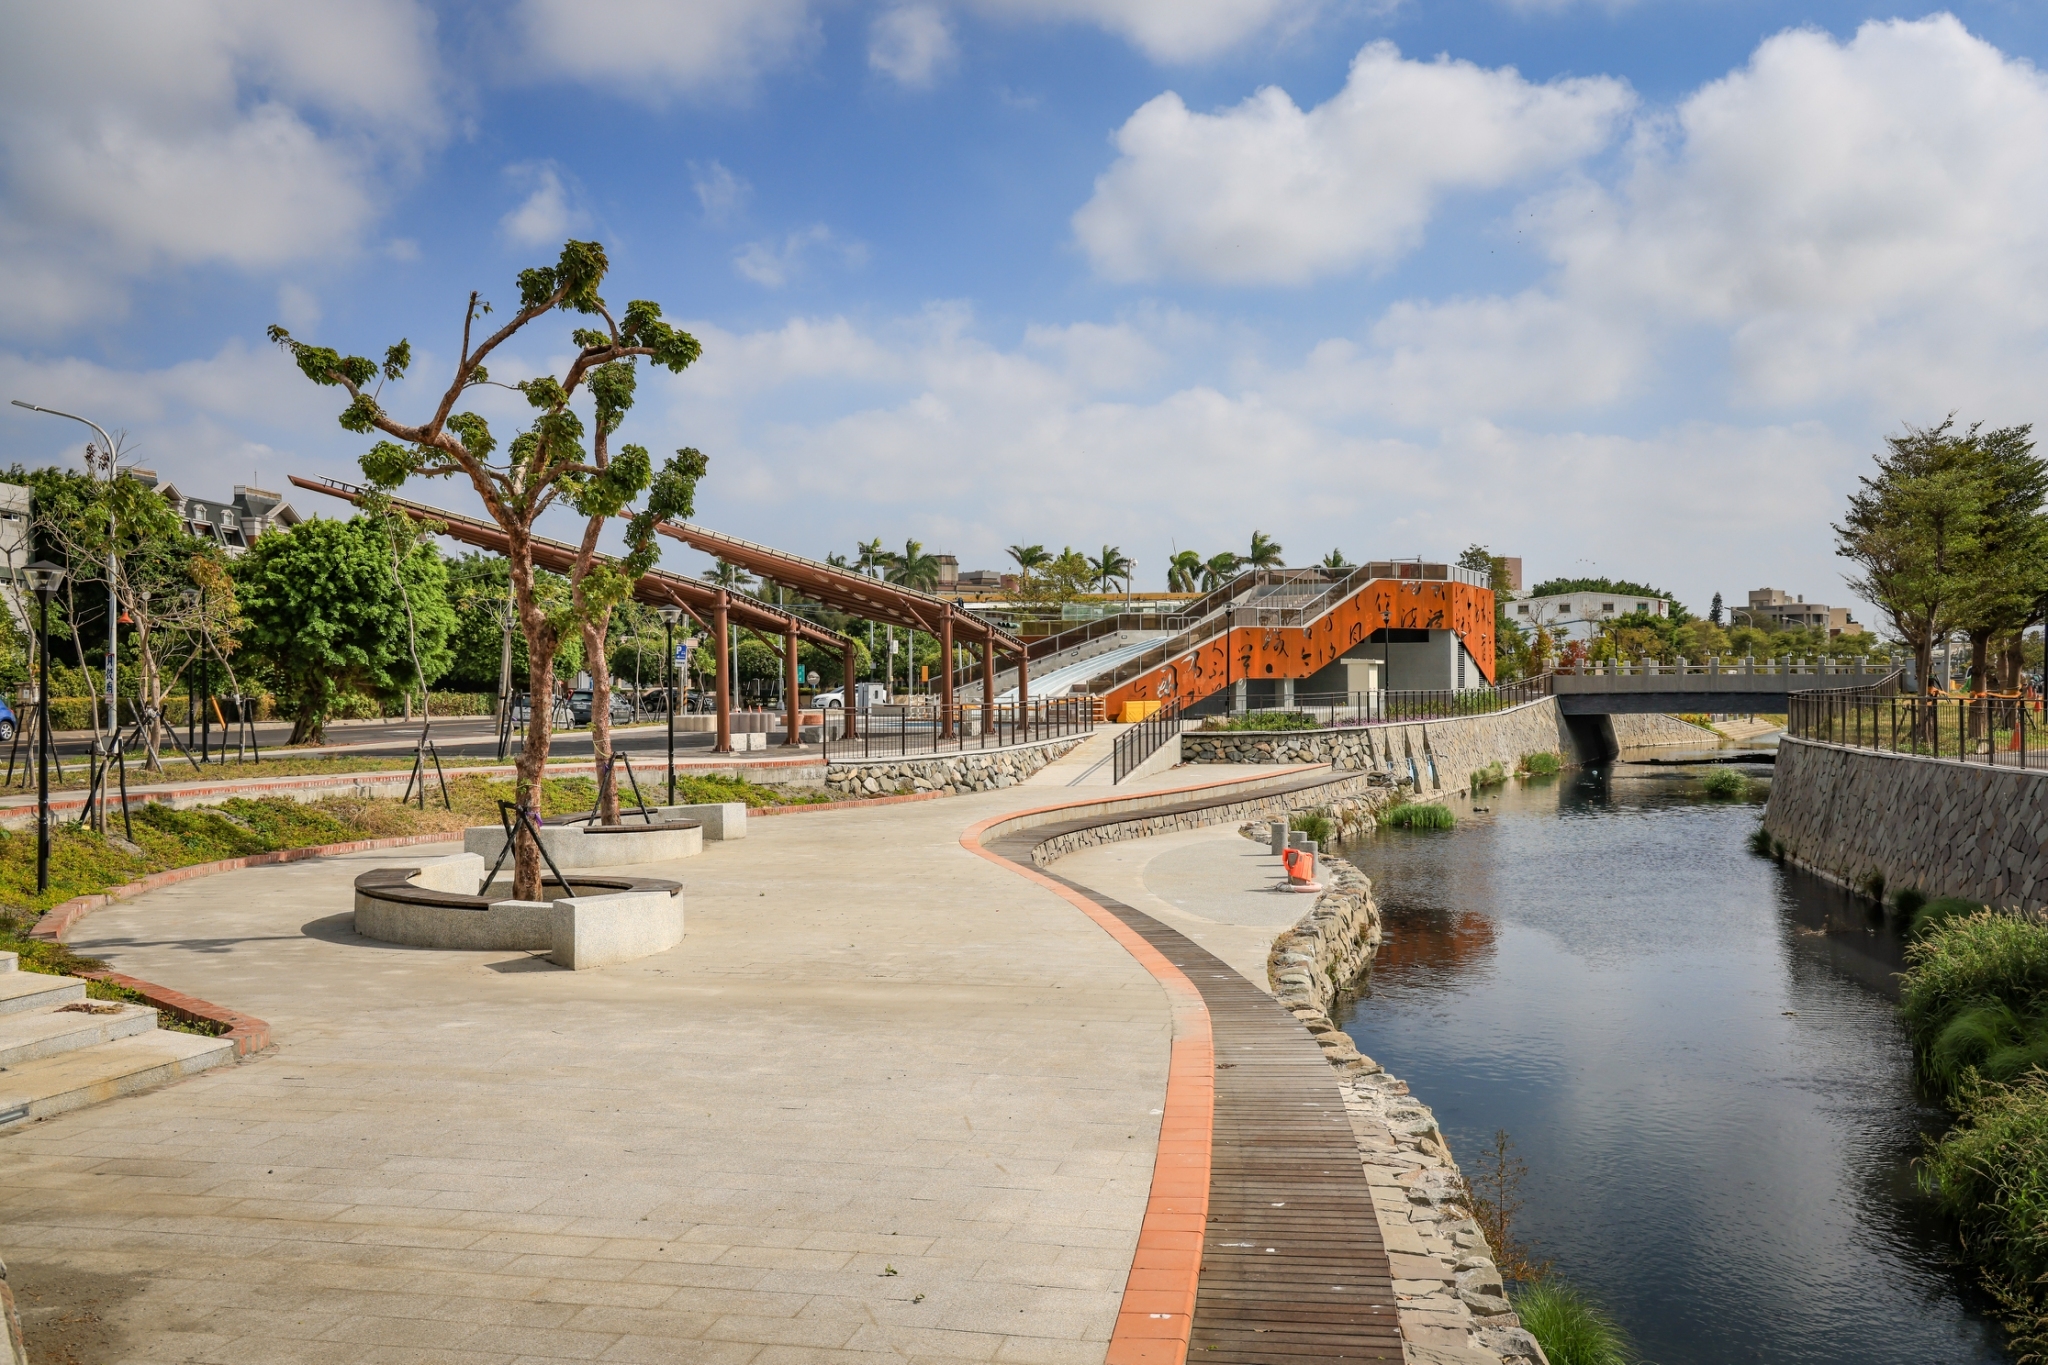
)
(61, 1051)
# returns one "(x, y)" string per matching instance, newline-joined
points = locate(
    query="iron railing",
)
(908, 730)
(1337, 709)
(1998, 731)
(1874, 668)
(1144, 739)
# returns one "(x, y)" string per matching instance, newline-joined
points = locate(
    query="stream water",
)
(1697, 1055)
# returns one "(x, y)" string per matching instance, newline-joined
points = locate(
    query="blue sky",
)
(1633, 288)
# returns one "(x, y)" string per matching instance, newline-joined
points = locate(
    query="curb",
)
(861, 804)
(59, 920)
(249, 1034)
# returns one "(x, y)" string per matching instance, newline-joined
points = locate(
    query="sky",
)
(1632, 288)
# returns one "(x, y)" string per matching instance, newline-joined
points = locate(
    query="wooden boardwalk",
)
(1292, 1267)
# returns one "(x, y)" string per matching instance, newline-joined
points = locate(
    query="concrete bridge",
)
(1743, 686)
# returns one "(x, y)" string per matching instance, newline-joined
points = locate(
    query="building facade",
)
(1775, 610)
(232, 525)
(1576, 615)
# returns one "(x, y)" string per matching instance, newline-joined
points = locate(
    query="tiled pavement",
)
(886, 1102)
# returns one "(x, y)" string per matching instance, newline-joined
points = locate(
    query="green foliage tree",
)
(1265, 552)
(544, 463)
(1108, 567)
(1336, 560)
(321, 609)
(1184, 572)
(1029, 559)
(1219, 569)
(913, 568)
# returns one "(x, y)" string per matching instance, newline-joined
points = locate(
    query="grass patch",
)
(1492, 775)
(1990, 1173)
(1419, 815)
(1724, 784)
(1907, 901)
(1931, 915)
(1315, 824)
(1268, 720)
(1975, 998)
(1541, 765)
(1760, 842)
(1571, 1328)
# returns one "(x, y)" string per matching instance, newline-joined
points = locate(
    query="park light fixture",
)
(670, 613)
(44, 578)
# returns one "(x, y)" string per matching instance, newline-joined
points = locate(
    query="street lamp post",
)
(113, 608)
(670, 614)
(43, 580)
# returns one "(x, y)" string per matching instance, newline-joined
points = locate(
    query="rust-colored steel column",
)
(946, 675)
(1023, 695)
(721, 634)
(848, 696)
(792, 680)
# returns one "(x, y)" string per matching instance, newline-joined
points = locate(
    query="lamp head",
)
(669, 614)
(44, 578)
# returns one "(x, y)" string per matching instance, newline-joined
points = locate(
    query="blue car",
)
(6, 721)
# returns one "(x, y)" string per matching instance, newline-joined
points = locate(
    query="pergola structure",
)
(874, 600)
(716, 609)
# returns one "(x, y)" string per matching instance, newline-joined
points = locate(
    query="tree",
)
(1219, 569)
(321, 609)
(1915, 531)
(914, 568)
(544, 463)
(1265, 552)
(1184, 572)
(479, 588)
(2006, 582)
(871, 557)
(1029, 559)
(1714, 612)
(1336, 560)
(731, 577)
(1109, 566)
(1512, 655)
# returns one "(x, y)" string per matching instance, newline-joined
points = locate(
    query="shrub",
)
(1272, 720)
(1908, 902)
(1973, 997)
(1760, 842)
(1315, 824)
(1571, 1329)
(1492, 775)
(1418, 815)
(1872, 885)
(1939, 911)
(1724, 783)
(1990, 1173)
(1542, 765)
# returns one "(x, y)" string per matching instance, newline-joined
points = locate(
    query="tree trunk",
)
(595, 635)
(2015, 660)
(306, 726)
(540, 714)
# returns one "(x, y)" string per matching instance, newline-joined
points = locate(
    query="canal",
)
(1697, 1056)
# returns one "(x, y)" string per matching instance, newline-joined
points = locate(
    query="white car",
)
(865, 695)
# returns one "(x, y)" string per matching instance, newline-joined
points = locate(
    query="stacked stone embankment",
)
(1433, 756)
(975, 770)
(1930, 824)
(1350, 802)
(1447, 1288)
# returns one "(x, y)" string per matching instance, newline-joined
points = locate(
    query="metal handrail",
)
(1995, 731)
(1143, 739)
(917, 727)
(1389, 707)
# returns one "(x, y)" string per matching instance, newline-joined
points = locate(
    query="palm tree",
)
(1265, 552)
(1183, 571)
(1336, 560)
(1029, 558)
(1109, 566)
(870, 556)
(913, 568)
(1220, 569)
(729, 576)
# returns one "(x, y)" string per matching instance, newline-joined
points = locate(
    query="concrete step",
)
(8, 961)
(28, 1035)
(37, 990)
(55, 1085)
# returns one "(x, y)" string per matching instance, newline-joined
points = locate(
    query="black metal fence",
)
(909, 730)
(1998, 731)
(1143, 739)
(1334, 709)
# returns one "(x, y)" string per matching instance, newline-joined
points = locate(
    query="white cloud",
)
(773, 264)
(297, 307)
(1863, 217)
(209, 132)
(911, 44)
(722, 195)
(1170, 30)
(544, 218)
(652, 50)
(1266, 193)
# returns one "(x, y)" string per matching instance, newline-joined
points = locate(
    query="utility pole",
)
(113, 602)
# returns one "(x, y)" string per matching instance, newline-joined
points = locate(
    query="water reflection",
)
(1697, 1055)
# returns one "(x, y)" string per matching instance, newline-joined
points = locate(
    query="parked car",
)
(7, 721)
(522, 710)
(865, 695)
(579, 707)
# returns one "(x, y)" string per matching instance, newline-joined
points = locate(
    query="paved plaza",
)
(887, 1101)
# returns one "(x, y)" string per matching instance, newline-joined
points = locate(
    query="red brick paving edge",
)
(248, 1033)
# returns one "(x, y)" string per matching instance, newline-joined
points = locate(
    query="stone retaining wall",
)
(975, 770)
(1354, 800)
(1935, 825)
(1648, 731)
(1436, 755)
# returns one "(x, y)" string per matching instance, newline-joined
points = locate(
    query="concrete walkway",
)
(886, 1102)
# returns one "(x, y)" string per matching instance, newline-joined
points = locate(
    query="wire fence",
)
(907, 730)
(1996, 731)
